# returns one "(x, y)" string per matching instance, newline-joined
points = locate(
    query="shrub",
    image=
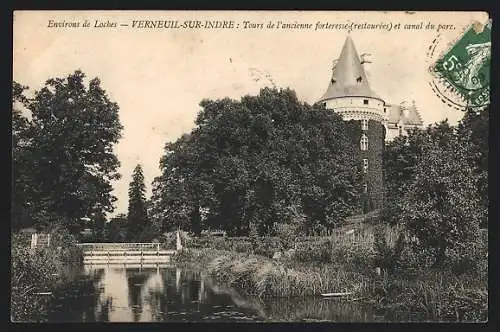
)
(267, 246)
(434, 296)
(30, 273)
(243, 247)
(318, 251)
(168, 240)
(470, 258)
(61, 238)
(387, 256)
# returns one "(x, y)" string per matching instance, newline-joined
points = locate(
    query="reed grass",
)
(344, 262)
(433, 295)
(36, 271)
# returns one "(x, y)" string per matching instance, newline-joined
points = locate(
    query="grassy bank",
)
(407, 289)
(260, 276)
(37, 272)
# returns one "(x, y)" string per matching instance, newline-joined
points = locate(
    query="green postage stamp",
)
(466, 65)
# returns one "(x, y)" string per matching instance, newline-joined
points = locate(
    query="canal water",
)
(168, 293)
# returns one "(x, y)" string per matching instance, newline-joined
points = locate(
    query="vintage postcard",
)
(253, 166)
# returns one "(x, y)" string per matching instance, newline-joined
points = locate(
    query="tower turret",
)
(349, 92)
(350, 95)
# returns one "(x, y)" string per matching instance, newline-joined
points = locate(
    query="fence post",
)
(178, 242)
(33, 241)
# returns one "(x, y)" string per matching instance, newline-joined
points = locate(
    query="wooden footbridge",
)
(125, 253)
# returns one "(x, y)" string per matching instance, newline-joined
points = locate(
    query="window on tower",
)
(364, 124)
(365, 101)
(364, 142)
(365, 187)
(365, 165)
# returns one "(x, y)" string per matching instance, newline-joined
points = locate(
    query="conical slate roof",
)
(349, 77)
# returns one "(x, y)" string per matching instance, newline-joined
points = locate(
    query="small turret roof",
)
(408, 114)
(349, 77)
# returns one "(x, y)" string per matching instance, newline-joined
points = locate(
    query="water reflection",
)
(126, 294)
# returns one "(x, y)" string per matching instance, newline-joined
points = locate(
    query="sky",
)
(159, 76)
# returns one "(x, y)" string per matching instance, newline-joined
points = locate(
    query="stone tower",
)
(349, 94)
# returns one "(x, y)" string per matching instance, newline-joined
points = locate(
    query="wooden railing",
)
(125, 253)
(120, 246)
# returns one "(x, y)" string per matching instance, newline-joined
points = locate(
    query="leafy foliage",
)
(440, 206)
(116, 228)
(475, 128)
(249, 163)
(387, 257)
(36, 271)
(63, 155)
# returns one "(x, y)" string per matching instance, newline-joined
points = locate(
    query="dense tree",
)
(137, 218)
(258, 162)
(403, 153)
(400, 159)
(66, 164)
(20, 213)
(474, 128)
(99, 224)
(116, 228)
(440, 206)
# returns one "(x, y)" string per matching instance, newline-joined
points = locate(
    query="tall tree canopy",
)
(259, 162)
(475, 128)
(441, 206)
(137, 218)
(404, 152)
(400, 159)
(437, 181)
(21, 180)
(63, 156)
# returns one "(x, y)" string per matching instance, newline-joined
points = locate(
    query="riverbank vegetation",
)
(35, 274)
(407, 289)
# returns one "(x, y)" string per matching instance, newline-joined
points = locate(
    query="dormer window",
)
(365, 101)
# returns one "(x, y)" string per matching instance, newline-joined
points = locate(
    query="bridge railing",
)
(119, 246)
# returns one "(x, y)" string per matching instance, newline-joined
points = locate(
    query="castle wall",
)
(357, 108)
